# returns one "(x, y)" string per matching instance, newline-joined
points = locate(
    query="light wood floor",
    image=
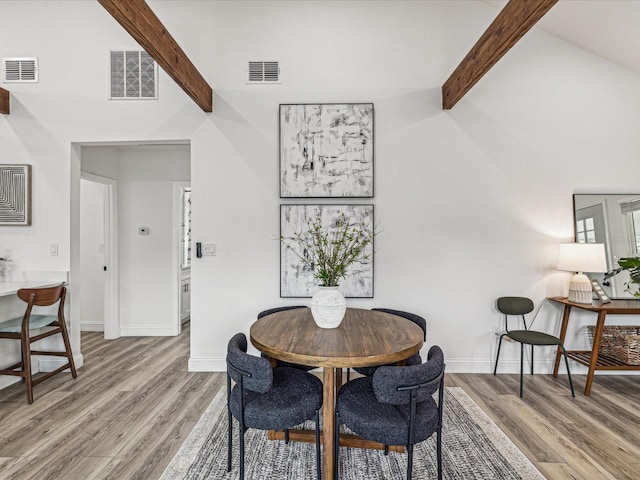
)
(134, 403)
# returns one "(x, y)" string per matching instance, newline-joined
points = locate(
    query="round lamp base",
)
(580, 289)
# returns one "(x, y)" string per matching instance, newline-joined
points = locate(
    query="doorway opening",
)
(182, 216)
(126, 246)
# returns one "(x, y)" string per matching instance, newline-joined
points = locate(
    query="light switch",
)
(209, 249)
(53, 249)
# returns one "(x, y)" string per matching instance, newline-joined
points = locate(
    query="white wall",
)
(148, 263)
(472, 202)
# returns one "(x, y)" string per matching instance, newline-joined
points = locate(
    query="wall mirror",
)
(612, 219)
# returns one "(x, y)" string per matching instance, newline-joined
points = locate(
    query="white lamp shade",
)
(582, 257)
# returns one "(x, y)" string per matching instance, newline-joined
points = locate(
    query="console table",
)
(591, 358)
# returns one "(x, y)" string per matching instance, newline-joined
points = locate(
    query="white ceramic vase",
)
(328, 307)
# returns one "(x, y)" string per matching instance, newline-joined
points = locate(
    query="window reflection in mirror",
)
(185, 233)
(615, 221)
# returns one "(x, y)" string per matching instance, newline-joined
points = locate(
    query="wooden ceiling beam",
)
(4, 101)
(137, 18)
(515, 19)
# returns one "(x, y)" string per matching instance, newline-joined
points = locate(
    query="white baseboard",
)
(49, 364)
(219, 364)
(543, 367)
(92, 327)
(148, 331)
(6, 381)
(455, 365)
(44, 364)
(207, 364)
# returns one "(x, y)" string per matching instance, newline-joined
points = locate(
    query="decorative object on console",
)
(5, 266)
(621, 342)
(15, 194)
(326, 150)
(599, 291)
(579, 258)
(324, 244)
(631, 265)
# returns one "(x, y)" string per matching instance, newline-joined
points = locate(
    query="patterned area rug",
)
(473, 448)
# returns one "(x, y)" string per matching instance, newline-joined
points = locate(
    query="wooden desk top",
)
(364, 338)
(618, 306)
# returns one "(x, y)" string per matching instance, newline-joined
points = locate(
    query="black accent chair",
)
(395, 406)
(282, 363)
(268, 398)
(520, 306)
(416, 359)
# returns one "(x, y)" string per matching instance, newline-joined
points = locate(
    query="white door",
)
(92, 255)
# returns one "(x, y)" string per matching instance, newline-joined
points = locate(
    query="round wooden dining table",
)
(364, 338)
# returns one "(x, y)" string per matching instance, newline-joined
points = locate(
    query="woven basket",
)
(621, 342)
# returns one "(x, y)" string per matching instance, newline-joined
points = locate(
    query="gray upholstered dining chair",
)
(520, 306)
(395, 406)
(268, 398)
(282, 363)
(415, 359)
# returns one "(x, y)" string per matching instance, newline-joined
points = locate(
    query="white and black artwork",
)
(15, 194)
(326, 150)
(296, 279)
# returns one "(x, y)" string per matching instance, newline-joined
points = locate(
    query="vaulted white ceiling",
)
(607, 28)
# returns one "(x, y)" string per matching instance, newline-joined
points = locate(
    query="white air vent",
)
(20, 70)
(134, 75)
(263, 72)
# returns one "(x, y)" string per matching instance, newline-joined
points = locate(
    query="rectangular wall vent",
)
(134, 75)
(20, 70)
(263, 72)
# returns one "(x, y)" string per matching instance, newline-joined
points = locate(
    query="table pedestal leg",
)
(328, 422)
(597, 337)
(563, 334)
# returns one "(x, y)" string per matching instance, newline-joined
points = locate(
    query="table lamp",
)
(581, 257)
